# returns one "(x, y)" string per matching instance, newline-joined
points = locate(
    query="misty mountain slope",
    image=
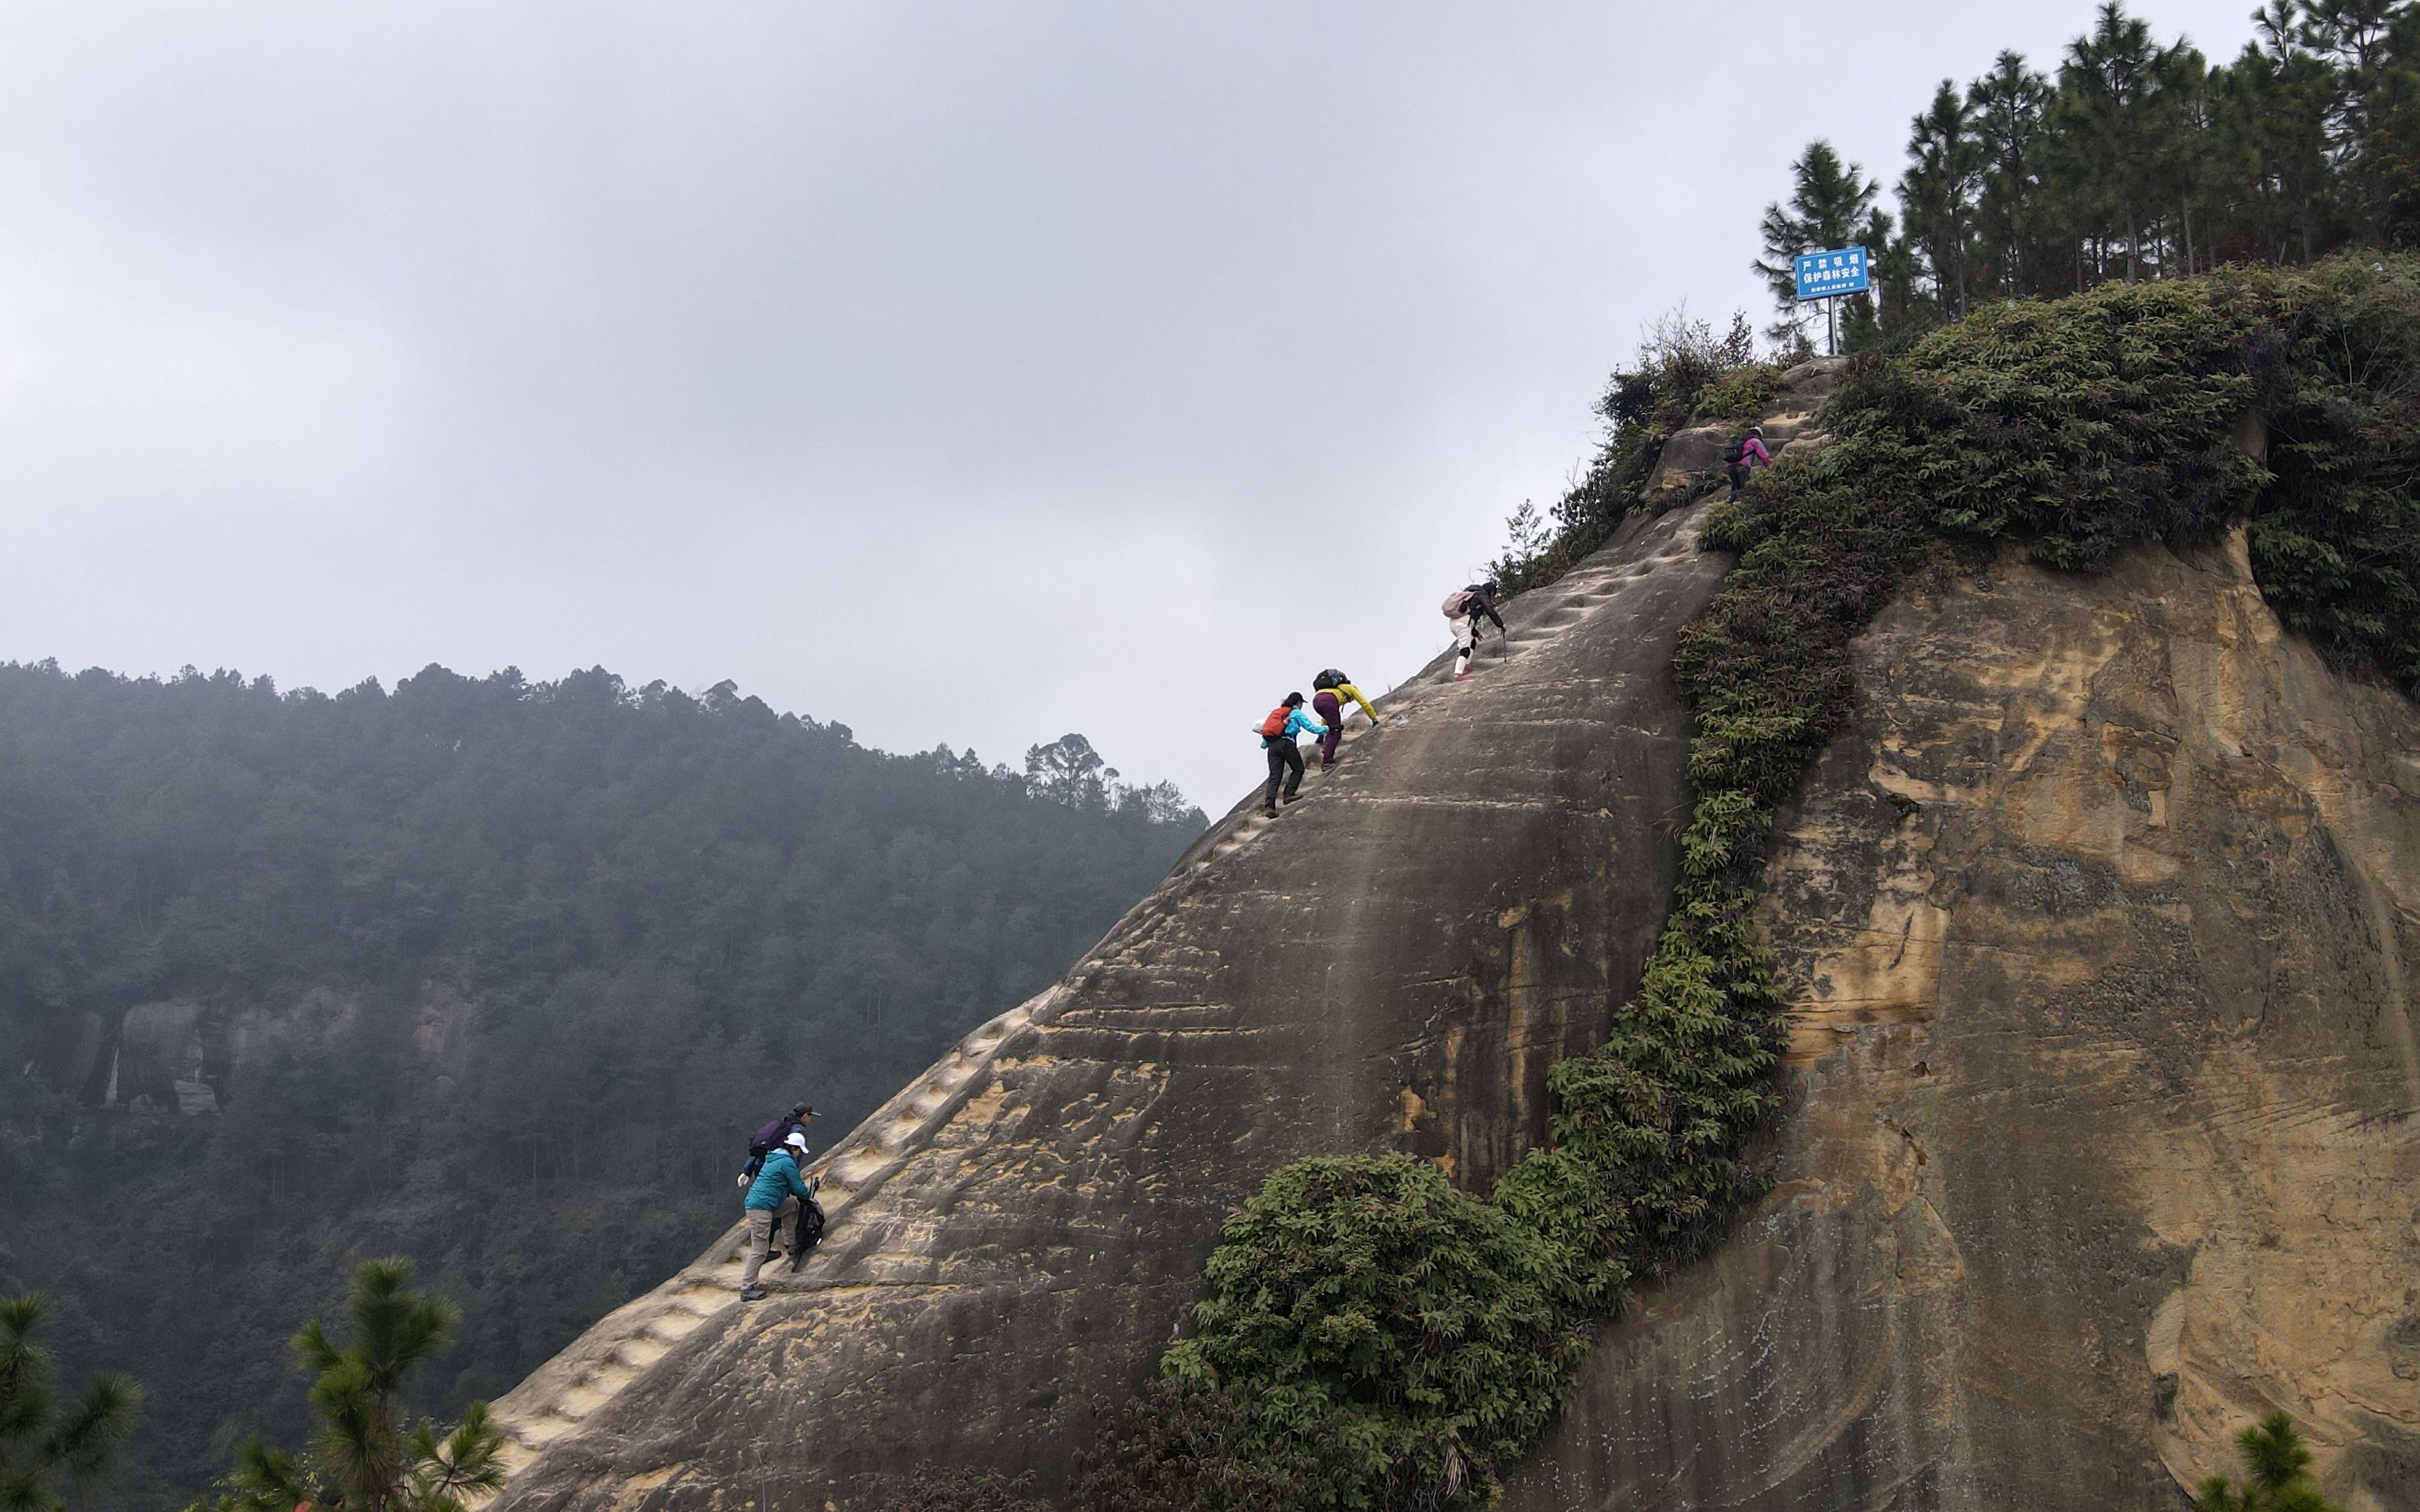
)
(1392, 963)
(495, 974)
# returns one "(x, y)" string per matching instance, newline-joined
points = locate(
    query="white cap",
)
(796, 1141)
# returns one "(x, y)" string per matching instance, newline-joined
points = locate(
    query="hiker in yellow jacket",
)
(1328, 691)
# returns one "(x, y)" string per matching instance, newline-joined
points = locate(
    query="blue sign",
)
(1824, 274)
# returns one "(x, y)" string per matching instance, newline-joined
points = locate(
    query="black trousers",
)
(1738, 474)
(1285, 765)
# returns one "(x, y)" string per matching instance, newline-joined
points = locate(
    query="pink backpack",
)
(1457, 603)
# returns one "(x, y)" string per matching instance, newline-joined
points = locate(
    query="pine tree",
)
(2005, 107)
(2277, 1474)
(2283, 96)
(363, 1457)
(37, 1444)
(1938, 192)
(1899, 309)
(2115, 115)
(1830, 204)
(2353, 38)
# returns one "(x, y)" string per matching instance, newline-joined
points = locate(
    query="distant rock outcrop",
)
(177, 1054)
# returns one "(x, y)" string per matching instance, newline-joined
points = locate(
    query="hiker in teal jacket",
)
(1285, 758)
(777, 1190)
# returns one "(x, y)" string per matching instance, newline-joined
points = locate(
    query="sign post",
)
(1827, 276)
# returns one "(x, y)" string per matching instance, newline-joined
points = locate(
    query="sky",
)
(964, 374)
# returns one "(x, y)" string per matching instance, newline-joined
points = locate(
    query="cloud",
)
(963, 373)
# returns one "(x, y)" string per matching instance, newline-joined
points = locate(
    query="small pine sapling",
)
(39, 1443)
(364, 1454)
(2277, 1473)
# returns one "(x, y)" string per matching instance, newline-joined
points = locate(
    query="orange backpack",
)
(1274, 726)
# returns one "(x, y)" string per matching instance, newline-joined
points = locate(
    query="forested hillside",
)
(488, 973)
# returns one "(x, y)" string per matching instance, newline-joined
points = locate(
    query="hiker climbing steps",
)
(1573, 596)
(583, 1380)
(1540, 617)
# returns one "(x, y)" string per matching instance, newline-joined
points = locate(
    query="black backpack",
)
(1330, 678)
(1735, 453)
(809, 1232)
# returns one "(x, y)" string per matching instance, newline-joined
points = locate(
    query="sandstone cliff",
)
(1394, 962)
(2100, 1139)
(2100, 922)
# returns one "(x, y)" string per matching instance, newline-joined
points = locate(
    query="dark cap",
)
(1293, 700)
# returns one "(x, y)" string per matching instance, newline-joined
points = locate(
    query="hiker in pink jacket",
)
(1737, 456)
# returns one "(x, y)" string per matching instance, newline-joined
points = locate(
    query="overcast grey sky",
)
(961, 373)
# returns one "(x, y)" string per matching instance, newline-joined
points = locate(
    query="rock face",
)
(2102, 919)
(1392, 963)
(1694, 455)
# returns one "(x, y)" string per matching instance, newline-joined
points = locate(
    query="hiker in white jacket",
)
(1466, 608)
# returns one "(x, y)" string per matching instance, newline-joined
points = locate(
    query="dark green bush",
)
(1741, 393)
(1432, 1327)
(934, 1488)
(1183, 1446)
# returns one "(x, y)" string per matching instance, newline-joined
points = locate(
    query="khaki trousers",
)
(761, 1223)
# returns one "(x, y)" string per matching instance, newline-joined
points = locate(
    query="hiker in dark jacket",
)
(1466, 608)
(1740, 454)
(778, 1192)
(771, 1134)
(1276, 734)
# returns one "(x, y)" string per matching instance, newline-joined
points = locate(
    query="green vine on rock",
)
(1401, 1340)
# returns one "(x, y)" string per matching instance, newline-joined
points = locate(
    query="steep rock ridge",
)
(2101, 919)
(1395, 963)
(1695, 452)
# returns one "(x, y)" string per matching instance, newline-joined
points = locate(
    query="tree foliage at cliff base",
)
(1361, 1313)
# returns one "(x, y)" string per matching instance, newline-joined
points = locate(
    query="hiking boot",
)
(1269, 812)
(752, 1294)
(1462, 677)
(1293, 797)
